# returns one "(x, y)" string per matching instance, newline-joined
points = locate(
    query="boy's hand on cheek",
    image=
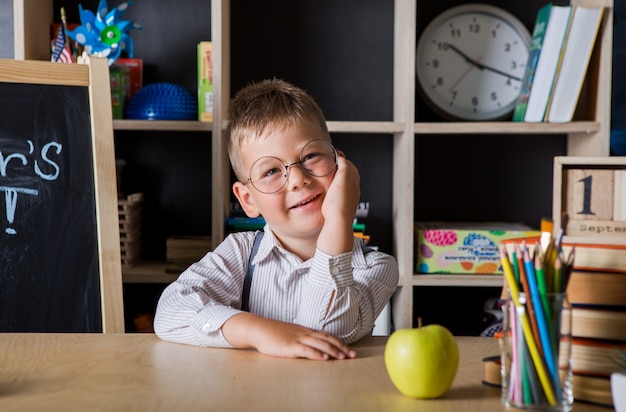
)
(343, 194)
(339, 208)
(282, 339)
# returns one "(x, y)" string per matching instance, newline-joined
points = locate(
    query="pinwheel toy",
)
(103, 33)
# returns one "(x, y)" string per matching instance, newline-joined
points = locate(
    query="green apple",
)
(422, 362)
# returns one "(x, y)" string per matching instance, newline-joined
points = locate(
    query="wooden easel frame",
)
(94, 74)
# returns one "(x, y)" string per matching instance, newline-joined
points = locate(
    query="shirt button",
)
(334, 271)
(206, 328)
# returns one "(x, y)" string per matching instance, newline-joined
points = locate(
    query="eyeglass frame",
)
(290, 165)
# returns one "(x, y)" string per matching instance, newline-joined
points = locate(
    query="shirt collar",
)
(270, 244)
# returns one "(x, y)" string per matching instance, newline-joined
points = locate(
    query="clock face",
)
(471, 61)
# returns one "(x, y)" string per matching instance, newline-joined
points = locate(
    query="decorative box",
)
(464, 247)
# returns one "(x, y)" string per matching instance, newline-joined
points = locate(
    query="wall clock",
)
(470, 62)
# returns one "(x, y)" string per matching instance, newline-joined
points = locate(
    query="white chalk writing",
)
(47, 162)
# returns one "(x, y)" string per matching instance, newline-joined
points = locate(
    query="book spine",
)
(205, 81)
(547, 66)
(539, 31)
(574, 63)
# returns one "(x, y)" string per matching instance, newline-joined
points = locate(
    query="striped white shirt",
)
(193, 309)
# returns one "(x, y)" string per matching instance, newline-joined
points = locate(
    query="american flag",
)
(61, 53)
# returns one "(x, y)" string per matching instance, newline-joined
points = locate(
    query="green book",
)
(539, 31)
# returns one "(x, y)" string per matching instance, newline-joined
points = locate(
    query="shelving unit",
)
(588, 135)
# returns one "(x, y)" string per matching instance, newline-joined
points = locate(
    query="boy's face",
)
(295, 211)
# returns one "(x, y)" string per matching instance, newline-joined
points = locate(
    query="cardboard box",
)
(205, 81)
(464, 247)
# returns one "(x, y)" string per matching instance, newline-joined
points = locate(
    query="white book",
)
(579, 44)
(547, 63)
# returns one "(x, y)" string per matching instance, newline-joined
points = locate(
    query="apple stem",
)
(419, 322)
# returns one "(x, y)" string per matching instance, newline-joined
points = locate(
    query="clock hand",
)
(480, 65)
(500, 72)
(465, 56)
(473, 64)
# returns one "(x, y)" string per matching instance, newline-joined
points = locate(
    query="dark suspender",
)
(247, 282)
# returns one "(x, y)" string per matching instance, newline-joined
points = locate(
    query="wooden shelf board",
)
(586, 127)
(457, 280)
(508, 128)
(163, 125)
(147, 272)
(365, 127)
(196, 126)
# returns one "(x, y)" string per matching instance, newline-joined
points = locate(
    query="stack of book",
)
(129, 215)
(597, 292)
(358, 225)
(561, 48)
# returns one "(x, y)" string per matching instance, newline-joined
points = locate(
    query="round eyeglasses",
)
(269, 174)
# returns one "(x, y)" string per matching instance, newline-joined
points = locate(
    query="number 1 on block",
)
(589, 194)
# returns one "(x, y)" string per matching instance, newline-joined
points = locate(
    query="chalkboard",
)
(58, 205)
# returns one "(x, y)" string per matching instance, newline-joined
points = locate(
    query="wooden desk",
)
(139, 372)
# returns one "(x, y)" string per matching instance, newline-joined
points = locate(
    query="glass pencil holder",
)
(536, 349)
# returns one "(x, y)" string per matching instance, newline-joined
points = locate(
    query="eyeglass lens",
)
(269, 174)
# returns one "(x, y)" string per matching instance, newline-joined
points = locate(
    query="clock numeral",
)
(455, 33)
(475, 101)
(493, 96)
(442, 46)
(435, 63)
(513, 65)
(474, 28)
(507, 47)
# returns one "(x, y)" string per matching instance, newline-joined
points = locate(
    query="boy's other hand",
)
(283, 339)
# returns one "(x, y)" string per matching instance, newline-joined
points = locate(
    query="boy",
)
(314, 288)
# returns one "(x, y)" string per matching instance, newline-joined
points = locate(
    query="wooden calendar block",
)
(597, 228)
(619, 196)
(589, 194)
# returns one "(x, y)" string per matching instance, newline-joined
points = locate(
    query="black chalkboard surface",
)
(50, 271)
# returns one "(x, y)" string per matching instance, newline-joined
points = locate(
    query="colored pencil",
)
(532, 347)
(542, 326)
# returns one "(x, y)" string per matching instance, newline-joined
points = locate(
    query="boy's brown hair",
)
(270, 103)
